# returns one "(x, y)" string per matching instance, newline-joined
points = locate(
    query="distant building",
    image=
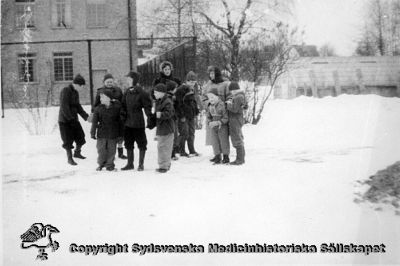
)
(43, 69)
(331, 76)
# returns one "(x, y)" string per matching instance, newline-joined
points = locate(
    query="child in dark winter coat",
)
(116, 93)
(134, 101)
(165, 127)
(235, 105)
(187, 110)
(171, 90)
(217, 118)
(106, 122)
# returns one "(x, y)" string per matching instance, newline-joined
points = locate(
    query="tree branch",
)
(228, 17)
(243, 18)
(215, 25)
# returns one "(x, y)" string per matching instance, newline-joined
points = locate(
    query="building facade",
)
(36, 72)
(332, 76)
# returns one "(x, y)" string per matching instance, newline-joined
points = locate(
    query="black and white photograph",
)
(197, 132)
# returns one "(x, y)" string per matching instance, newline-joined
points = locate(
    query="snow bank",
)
(297, 186)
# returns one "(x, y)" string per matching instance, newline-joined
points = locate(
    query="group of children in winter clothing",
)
(118, 117)
(225, 104)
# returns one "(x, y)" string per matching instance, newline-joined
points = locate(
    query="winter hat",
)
(135, 76)
(107, 93)
(160, 88)
(164, 64)
(233, 86)
(191, 76)
(79, 80)
(171, 85)
(217, 73)
(107, 76)
(213, 91)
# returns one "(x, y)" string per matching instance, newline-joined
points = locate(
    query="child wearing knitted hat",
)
(236, 105)
(217, 117)
(108, 126)
(165, 127)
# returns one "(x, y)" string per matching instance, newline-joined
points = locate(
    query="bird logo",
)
(39, 236)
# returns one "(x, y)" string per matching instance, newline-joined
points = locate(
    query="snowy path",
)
(297, 186)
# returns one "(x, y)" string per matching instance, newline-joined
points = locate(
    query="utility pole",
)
(89, 42)
(179, 20)
(130, 34)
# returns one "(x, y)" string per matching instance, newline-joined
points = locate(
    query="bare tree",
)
(169, 18)
(265, 59)
(381, 33)
(240, 19)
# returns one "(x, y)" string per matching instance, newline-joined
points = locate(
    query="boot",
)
(215, 158)
(129, 165)
(69, 156)
(121, 153)
(218, 159)
(183, 153)
(142, 153)
(239, 156)
(77, 152)
(173, 155)
(226, 159)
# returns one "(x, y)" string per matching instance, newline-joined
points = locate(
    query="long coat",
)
(133, 101)
(70, 106)
(166, 123)
(186, 104)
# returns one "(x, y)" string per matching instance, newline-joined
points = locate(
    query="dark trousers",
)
(176, 144)
(183, 129)
(235, 131)
(71, 132)
(191, 131)
(186, 133)
(106, 149)
(132, 135)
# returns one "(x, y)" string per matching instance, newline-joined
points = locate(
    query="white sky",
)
(336, 22)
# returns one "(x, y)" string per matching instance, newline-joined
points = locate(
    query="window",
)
(24, 13)
(63, 66)
(61, 13)
(96, 13)
(26, 67)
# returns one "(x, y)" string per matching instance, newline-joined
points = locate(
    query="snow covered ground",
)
(297, 186)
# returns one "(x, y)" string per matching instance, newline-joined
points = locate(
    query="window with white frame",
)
(61, 13)
(24, 13)
(26, 67)
(96, 13)
(63, 66)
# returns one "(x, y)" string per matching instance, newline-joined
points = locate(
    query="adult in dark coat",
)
(115, 94)
(166, 69)
(134, 101)
(187, 110)
(70, 128)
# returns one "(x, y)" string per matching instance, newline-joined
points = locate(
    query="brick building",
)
(41, 70)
